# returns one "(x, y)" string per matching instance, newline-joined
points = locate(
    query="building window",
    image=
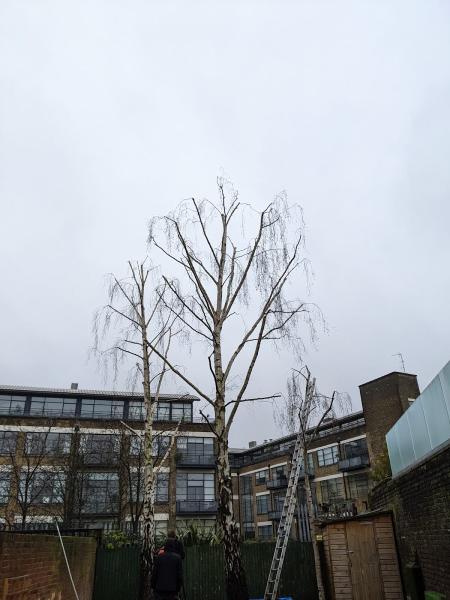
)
(160, 444)
(136, 410)
(135, 445)
(358, 486)
(195, 486)
(197, 446)
(181, 410)
(99, 448)
(261, 477)
(53, 406)
(262, 504)
(135, 483)
(265, 532)
(5, 482)
(43, 444)
(355, 448)
(45, 487)
(332, 490)
(278, 501)
(161, 528)
(12, 405)
(163, 411)
(246, 484)
(8, 440)
(101, 409)
(328, 456)
(162, 487)
(248, 531)
(101, 493)
(278, 472)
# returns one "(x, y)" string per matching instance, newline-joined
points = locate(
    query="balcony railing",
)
(196, 460)
(274, 515)
(196, 506)
(277, 483)
(336, 510)
(355, 462)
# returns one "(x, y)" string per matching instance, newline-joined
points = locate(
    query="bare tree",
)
(143, 332)
(223, 272)
(39, 467)
(305, 411)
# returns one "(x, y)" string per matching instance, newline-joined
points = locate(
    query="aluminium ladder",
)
(287, 514)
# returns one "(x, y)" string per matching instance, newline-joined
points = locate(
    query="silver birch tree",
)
(141, 328)
(220, 269)
(305, 412)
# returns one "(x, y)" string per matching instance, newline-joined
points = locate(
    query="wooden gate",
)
(361, 558)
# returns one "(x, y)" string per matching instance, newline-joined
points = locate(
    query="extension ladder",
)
(287, 514)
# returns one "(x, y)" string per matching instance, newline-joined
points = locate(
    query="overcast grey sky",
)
(112, 112)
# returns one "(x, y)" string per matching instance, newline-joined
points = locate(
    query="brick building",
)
(340, 462)
(65, 453)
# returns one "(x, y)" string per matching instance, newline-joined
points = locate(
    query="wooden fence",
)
(117, 572)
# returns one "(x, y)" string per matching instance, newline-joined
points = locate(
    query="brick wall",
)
(39, 560)
(419, 500)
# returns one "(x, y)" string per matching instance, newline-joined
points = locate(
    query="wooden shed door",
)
(364, 565)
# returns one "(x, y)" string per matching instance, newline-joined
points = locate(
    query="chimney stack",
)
(252, 444)
(74, 386)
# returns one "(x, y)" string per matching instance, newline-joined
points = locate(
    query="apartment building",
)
(339, 462)
(65, 453)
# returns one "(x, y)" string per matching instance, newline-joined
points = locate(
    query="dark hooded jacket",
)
(168, 571)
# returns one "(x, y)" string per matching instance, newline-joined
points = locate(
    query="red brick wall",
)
(40, 559)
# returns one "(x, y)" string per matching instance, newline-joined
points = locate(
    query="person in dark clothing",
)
(167, 577)
(171, 535)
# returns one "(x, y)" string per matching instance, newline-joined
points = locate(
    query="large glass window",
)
(328, 456)
(12, 405)
(163, 411)
(195, 486)
(181, 410)
(136, 445)
(246, 484)
(101, 493)
(265, 532)
(5, 482)
(41, 443)
(160, 444)
(195, 446)
(332, 490)
(136, 410)
(355, 448)
(53, 406)
(261, 477)
(262, 504)
(102, 409)
(99, 448)
(278, 501)
(8, 440)
(248, 531)
(358, 486)
(162, 487)
(44, 487)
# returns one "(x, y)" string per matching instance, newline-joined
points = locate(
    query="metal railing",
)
(277, 483)
(196, 506)
(274, 515)
(355, 462)
(337, 510)
(196, 460)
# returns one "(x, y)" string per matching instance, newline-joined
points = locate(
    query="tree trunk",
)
(235, 580)
(313, 529)
(148, 515)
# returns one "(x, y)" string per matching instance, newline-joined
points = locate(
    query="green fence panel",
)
(117, 572)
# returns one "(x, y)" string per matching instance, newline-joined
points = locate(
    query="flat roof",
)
(113, 394)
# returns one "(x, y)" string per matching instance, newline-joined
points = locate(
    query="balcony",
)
(274, 515)
(338, 509)
(196, 460)
(196, 506)
(277, 483)
(355, 462)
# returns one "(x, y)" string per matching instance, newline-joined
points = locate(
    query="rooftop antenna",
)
(401, 358)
